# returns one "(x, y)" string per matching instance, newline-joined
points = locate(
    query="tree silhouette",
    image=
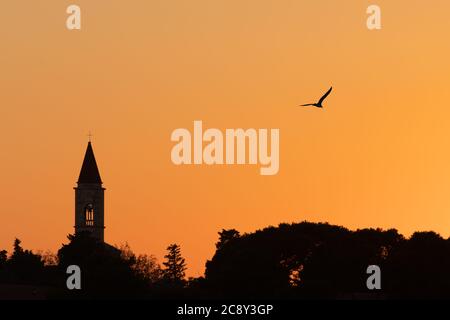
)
(419, 267)
(3, 258)
(3, 264)
(105, 273)
(226, 236)
(145, 266)
(299, 260)
(174, 266)
(25, 266)
(337, 265)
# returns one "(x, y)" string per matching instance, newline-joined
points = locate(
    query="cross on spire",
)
(89, 136)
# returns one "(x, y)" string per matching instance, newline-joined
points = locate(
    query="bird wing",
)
(324, 96)
(306, 105)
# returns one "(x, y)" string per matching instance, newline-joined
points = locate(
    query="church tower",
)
(89, 198)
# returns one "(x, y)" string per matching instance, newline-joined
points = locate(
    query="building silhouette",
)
(90, 198)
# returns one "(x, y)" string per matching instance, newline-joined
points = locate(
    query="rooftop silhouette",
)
(89, 171)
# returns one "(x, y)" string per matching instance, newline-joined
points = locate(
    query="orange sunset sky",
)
(378, 155)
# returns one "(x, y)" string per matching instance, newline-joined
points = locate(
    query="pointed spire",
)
(89, 171)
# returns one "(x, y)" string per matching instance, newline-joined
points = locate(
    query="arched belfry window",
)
(89, 215)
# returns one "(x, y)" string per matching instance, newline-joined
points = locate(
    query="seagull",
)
(318, 104)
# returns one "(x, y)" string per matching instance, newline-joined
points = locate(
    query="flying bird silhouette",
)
(318, 104)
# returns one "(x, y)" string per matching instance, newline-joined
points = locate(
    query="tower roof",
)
(89, 171)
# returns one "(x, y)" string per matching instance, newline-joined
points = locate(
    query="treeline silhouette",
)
(293, 261)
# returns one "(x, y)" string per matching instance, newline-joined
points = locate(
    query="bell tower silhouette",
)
(90, 198)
